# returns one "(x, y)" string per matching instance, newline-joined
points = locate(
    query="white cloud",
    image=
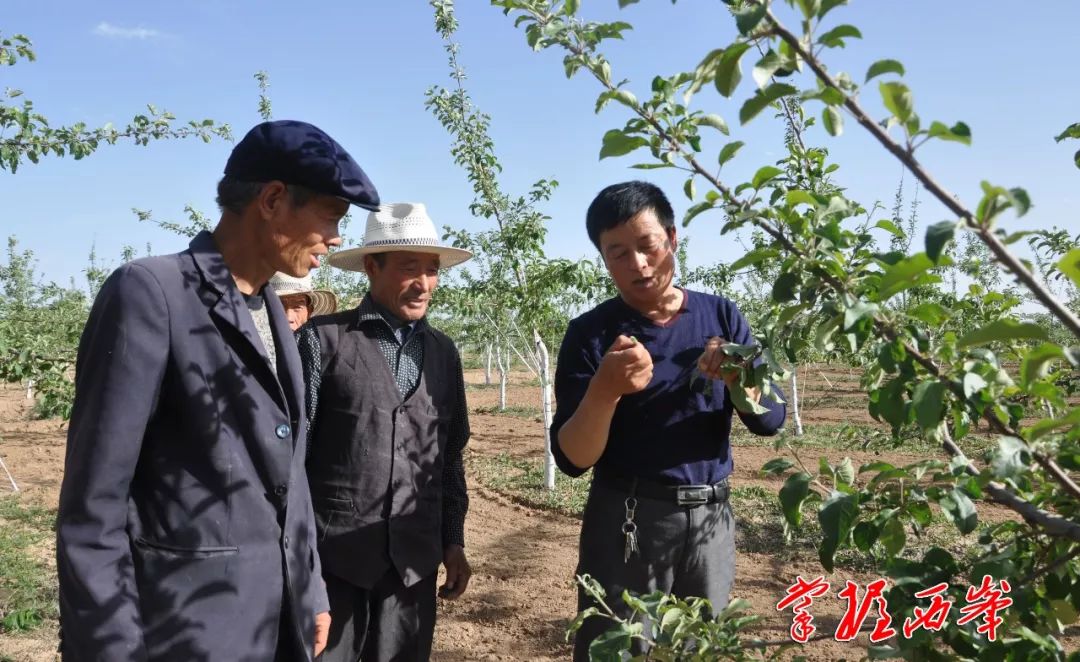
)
(106, 29)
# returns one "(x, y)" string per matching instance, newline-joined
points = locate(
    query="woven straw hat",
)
(401, 226)
(323, 302)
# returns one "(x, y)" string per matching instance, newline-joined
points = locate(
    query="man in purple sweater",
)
(643, 397)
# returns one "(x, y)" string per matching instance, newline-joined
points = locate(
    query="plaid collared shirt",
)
(406, 361)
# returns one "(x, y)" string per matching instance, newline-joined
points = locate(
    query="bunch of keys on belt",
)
(629, 529)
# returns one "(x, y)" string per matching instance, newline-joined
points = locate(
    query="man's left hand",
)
(715, 364)
(322, 631)
(458, 572)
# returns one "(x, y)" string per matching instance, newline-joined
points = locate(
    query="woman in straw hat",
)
(301, 300)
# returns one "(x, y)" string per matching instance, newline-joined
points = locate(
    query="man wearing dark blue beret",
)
(185, 529)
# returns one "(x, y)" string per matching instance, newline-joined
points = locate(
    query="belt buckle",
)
(693, 495)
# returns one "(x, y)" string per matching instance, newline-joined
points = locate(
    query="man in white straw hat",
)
(387, 480)
(301, 300)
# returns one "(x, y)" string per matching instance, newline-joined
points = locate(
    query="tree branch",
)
(907, 157)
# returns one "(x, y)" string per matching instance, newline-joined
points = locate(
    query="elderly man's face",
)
(300, 235)
(403, 284)
(297, 309)
(640, 256)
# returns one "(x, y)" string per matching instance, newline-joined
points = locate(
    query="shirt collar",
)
(370, 311)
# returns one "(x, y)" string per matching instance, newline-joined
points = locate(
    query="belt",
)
(683, 495)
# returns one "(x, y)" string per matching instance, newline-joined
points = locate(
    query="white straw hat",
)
(323, 302)
(401, 226)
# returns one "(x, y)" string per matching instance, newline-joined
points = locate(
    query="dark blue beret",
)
(299, 153)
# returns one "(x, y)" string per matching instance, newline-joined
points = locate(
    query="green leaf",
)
(931, 313)
(728, 72)
(958, 507)
(958, 133)
(858, 311)
(837, 35)
(1008, 460)
(1072, 131)
(743, 403)
(884, 67)
(764, 174)
(763, 98)
(808, 7)
(784, 287)
(1033, 366)
(689, 189)
(766, 67)
(755, 256)
(1020, 200)
(570, 7)
(929, 401)
(845, 471)
(617, 143)
(973, 383)
(715, 121)
(728, 151)
(827, 6)
(611, 644)
(792, 495)
(833, 121)
(1070, 266)
(777, 465)
(651, 166)
(1003, 330)
(905, 274)
(1076, 158)
(798, 197)
(748, 17)
(897, 98)
(937, 235)
(837, 516)
(890, 227)
(892, 536)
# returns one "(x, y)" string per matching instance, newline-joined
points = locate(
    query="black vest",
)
(376, 461)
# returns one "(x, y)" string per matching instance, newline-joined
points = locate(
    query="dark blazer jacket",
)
(185, 529)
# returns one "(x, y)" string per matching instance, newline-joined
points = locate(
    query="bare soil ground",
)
(522, 594)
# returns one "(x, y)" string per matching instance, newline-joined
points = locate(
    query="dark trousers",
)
(389, 622)
(289, 648)
(686, 551)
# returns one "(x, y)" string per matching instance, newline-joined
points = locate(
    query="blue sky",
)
(359, 70)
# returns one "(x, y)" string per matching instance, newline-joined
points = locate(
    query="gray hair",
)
(236, 194)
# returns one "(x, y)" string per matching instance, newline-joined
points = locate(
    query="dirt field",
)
(521, 596)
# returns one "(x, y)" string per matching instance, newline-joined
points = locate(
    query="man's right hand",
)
(626, 368)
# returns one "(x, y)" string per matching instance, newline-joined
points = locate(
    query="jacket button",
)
(286, 542)
(281, 490)
(282, 431)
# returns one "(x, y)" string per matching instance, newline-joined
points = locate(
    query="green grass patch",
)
(482, 387)
(523, 481)
(28, 591)
(515, 411)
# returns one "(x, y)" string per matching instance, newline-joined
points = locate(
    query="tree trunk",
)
(487, 364)
(795, 402)
(501, 359)
(29, 389)
(544, 363)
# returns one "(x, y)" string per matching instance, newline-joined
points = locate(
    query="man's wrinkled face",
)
(300, 235)
(404, 282)
(297, 309)
(640, 256)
